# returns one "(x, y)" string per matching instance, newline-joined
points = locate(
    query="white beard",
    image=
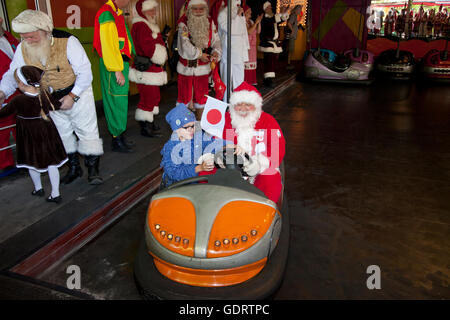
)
(152, 22)
(199, 30)
(244, 127)
(40, 52)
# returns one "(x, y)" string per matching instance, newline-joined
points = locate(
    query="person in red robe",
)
(8, 45)
(149, 44)
(258, 134)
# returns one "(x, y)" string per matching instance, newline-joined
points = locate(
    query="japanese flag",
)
(213, 118)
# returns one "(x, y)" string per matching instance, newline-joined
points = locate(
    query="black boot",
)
(155, 126)
(268, 82)
(74, 169)
(146, 132)
(91, 162)
(119, 146)
(128, 143)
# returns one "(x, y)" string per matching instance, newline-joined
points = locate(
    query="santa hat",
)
(148, 4)
(32, 20)
(246, 93)
(196, 2)
(144, 5)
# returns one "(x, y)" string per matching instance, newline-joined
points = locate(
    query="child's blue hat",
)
(179, 116)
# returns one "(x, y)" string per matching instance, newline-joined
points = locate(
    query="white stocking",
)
(53, 174)
(36, 177)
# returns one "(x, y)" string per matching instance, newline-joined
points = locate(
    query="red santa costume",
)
(8, 45)
(196, 35)
(148, 43)
(260, 136)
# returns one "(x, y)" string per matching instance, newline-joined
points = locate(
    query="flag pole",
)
(228, 49)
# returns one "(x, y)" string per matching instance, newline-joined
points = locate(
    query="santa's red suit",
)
(6, 156)
(264, 141)
(148, 42)
(193, 73)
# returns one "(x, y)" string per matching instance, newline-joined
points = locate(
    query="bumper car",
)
(361, 56)
(436, 65)
(327, 54)
(213, 237)
(343, 69)
(396, 64)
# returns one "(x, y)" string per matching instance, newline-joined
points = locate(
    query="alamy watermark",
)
(74, 280)
(374, 280)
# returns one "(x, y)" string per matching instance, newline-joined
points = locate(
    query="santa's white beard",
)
(244, 126)
(199, 29)
(39, 52)
(152, 22)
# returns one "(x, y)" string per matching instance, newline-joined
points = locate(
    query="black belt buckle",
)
(192, 63)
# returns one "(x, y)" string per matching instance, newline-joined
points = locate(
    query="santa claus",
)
(198, 45)
(268, 39)
(150, 75)
(258, 134)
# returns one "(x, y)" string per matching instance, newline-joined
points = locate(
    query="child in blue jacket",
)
(188, 153)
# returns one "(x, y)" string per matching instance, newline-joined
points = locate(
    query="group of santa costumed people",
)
(56, 116)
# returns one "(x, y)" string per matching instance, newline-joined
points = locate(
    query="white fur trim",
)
(199, 106)
(269, 75)
(90, 147)
(148, 78)
(196, 2)
(273, 49)
(153, 27)
(142, 115)
(149, 5)
(160, 55)
(32, 20)
(198, 71)
(245, 96)
(69, 141)
(155, 111)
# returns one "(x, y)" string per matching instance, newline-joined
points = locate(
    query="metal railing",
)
(10, 146)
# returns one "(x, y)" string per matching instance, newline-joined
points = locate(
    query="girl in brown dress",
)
(38, 145)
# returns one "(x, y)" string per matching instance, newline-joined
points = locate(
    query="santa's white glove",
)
(252, 167)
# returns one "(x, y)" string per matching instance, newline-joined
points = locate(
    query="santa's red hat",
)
(246, 93)
(144, 5)
(196, 2)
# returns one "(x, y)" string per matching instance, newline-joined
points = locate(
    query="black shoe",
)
(128, 143)
(155, 126)
(57, 199)
(74, 169)
(38, 193)
(146, 132)
(119, 146)
(92, 163)
(268, 82)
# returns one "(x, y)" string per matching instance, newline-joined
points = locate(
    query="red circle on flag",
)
(214, 116)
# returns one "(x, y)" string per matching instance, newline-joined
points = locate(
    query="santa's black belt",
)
(58, 94)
